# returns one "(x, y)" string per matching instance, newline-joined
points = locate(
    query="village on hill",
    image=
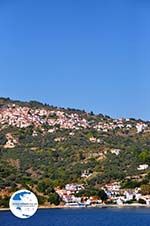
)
(73, 158)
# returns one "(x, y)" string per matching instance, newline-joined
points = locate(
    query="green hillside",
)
(43, 147)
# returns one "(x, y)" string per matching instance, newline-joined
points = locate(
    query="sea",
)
(81, 217)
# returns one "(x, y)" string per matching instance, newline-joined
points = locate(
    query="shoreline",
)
(135, 205)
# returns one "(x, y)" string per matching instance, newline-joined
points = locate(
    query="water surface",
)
(81, 217)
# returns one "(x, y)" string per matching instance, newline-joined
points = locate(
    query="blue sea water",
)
(81, 217)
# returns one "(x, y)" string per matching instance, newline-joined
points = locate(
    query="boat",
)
(75, 205)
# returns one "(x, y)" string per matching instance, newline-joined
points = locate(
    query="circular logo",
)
(23, 204)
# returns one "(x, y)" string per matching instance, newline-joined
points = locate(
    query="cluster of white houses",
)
(23, 116)
(115, 194)
(121, 124)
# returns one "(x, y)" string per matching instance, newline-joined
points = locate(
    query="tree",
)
(54, 199)
(41, 200)
(145, 189)
(130, 184)
(144, 156)
(45, 186)
(3, 139)
(103, 196)
(93, 192)
(4, 202)
(142, 201)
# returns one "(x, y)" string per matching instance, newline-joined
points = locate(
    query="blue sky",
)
(85, 54)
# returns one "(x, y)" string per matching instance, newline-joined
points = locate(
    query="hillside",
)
(45, 147)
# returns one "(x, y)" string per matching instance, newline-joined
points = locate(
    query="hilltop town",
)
(24, 116)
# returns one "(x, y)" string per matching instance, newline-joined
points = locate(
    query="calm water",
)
(81, 217)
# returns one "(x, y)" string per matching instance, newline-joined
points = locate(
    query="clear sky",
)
(86, 54)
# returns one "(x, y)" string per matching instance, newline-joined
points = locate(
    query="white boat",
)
(75, 205)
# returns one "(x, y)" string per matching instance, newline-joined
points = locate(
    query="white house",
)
(142, 167)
